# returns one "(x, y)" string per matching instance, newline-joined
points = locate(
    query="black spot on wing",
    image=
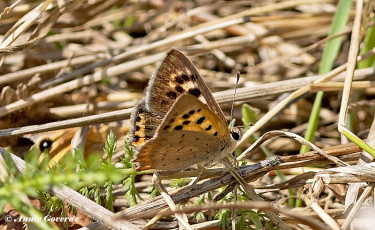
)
(200, 120)
(185, 77)
(186, 122)
(185, 116)
(194, 77)
(191, 112)
(208, 128)
(178, 127)
(136, 138)
(179, 80)
(216, 133)
(172, 95)
(182, 79)
(179, 89)
(195, 92)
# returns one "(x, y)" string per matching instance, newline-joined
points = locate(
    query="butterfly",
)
(179, 123)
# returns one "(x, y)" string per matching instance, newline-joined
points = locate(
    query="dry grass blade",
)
(366, 193)
(296, 137)
(22, 25)
(28, 73)
(94, 119)
(352, 57)
(364, 158)
(311, 201)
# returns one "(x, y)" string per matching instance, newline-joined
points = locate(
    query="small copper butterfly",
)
(179, 123)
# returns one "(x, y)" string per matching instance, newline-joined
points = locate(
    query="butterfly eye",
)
(235, 133)
(45, 145)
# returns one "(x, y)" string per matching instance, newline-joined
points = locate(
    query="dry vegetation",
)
(70, 68)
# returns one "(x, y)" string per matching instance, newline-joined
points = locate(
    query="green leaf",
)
(255, 218)
(177, 183)
(340, 20)
(110, 146)
(200, 216)
(241, 223)
(368, 44)
(109, 199)
(223, 215)
(232, 123)
(249, 116)
(154, 191)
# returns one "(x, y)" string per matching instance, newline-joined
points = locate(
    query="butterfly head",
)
(235, 133)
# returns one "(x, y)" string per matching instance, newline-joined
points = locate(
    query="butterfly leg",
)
(181, 218)
(196, 180)
(233, 171)
(233, 165)
(235, 162)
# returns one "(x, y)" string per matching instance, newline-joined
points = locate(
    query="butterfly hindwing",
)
(174, 76)
(175, 151)
(144, 124)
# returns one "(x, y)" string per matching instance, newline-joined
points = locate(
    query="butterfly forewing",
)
(189, 113)
(190, 132)
(174, 76)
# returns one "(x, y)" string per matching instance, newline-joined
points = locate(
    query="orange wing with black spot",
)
(189, 113)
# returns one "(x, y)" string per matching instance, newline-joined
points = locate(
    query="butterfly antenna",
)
(234, 95)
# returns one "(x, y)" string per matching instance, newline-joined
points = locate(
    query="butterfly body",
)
(179, 123)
